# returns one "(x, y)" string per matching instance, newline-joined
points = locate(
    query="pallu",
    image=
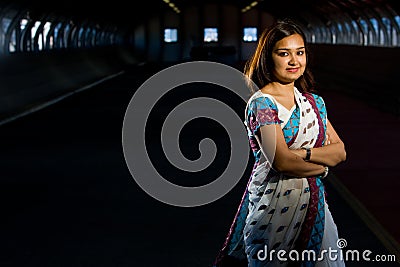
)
(278, 212)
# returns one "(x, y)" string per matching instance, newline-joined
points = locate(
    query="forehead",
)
(293, 41)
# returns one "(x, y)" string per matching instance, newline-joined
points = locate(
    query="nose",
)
(293, 60)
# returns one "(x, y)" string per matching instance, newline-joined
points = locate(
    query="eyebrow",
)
(287, 49)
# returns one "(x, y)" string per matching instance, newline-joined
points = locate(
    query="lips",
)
(292, 70)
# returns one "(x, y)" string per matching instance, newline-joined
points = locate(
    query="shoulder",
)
(319, 104)
(318, 99)
(261, 100)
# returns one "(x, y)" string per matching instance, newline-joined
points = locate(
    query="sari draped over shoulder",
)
(279, 212)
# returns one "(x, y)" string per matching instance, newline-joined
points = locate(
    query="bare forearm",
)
(283, 159)
(332, 153)
(329, 155)
(293, 165)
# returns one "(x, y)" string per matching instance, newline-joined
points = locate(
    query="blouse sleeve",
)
(319, 101)
(261, 111)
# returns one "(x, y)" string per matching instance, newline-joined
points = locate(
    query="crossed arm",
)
(331, 154)
(291, 162)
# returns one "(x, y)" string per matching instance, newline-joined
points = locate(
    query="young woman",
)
(284, 208)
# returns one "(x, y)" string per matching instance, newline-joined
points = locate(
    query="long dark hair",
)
(259, 67)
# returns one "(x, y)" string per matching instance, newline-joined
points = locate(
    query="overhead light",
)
(172, 5)
(253, 4)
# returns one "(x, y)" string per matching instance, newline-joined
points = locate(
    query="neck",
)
(280, 88)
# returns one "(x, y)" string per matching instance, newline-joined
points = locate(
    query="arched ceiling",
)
(131, 13)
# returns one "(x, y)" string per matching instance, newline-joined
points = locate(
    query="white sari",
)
(278, 204)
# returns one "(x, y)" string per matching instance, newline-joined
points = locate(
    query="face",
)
(289, 57)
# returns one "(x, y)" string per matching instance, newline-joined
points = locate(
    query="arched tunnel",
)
(71, 73)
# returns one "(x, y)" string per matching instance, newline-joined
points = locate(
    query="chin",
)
(294, 78)
(290, 80)
(286, 79)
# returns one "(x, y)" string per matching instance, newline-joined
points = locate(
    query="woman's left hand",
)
(327, 141)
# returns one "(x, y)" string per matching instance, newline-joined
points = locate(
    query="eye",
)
(300, 53)
(283, 54)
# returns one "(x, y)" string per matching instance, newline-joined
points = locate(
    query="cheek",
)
(281, 63)
(303, 61)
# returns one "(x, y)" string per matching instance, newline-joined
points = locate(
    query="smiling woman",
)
(284, 207)
(289, 59)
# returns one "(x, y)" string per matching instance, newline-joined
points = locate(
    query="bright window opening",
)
(210, 35)
(250, 34)
(170, 35)
(34, 28)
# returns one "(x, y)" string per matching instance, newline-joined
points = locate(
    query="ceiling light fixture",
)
(172, 5)
(253, 4)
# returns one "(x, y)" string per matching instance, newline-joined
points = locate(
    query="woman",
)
(284, 207)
